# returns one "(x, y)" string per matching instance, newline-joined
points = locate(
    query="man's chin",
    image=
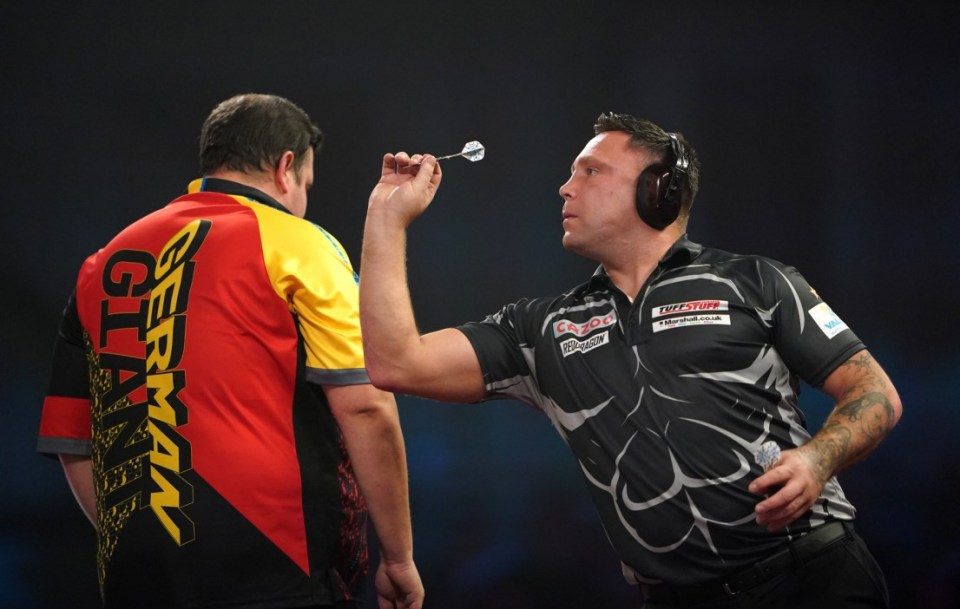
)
(569, 242)
(575, 247)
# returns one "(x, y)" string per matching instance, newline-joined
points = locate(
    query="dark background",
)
(827, 133)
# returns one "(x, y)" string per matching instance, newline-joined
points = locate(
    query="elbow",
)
(380, 367)
(384, 377)
(896, 408)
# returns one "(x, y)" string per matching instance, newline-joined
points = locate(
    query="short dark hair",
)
(646, 134)
(250, 132)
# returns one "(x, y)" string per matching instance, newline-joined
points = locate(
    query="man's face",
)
(296, 198)
(599, 207)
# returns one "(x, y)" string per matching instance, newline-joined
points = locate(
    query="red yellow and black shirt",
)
(189, 365)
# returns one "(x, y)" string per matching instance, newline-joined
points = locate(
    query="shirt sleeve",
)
(310, 270)
(65, 426)
(504, 350)
(810, 337)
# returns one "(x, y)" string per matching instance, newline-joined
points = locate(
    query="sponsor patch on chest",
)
(587, 335)
(693, 306)
(574, 345)
(690, 313)
(565, 326)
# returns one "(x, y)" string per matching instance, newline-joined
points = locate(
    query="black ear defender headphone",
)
(660, 188)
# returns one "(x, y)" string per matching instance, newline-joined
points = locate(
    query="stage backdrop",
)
(828, 138)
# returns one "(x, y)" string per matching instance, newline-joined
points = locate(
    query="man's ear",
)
(283, 171)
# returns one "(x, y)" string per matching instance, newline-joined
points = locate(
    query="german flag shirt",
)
(189, 365)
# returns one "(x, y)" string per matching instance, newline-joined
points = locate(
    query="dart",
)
(472, 151)
(767, 455)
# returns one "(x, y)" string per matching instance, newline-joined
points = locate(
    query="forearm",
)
(867, 408)
(370, 425)
(381, 470)
(79, 472)
(386, 313)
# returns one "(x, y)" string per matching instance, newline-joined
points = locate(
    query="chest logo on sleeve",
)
(827, 320)
(586, 334)
(691, 313)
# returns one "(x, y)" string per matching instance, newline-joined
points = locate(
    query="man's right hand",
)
(407, 186)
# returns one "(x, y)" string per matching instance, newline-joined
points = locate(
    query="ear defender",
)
(660, 188)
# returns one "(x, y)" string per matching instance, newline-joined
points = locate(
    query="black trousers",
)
(844, 576)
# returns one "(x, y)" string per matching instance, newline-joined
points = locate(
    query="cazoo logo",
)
(565, 326)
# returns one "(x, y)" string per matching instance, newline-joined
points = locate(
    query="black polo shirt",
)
(665, 400)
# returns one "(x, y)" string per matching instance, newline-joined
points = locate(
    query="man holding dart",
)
(668, 373)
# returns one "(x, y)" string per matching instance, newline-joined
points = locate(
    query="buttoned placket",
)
(634, 330)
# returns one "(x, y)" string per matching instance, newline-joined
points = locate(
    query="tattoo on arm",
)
(862, 418)
(833, 446)
(865, 402)
(872, 411)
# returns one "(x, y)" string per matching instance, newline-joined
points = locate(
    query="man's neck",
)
(630, 268)
(261, 181)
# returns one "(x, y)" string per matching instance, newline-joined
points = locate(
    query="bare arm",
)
(867, 408)
(371, 429)
(441, 365)
(79, 472)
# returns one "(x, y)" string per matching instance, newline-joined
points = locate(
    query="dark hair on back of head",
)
(646, 134)
(250, 132)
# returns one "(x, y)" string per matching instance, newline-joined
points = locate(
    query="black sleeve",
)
(809, 336)
(68, 375)
(499, 343)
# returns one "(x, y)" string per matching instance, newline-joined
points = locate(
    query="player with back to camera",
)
(209, 400)
(665, 373)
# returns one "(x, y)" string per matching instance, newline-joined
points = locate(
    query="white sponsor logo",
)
(691, 320)
(573, 345)
(565, 326)
(827, 320)
(693, 306)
